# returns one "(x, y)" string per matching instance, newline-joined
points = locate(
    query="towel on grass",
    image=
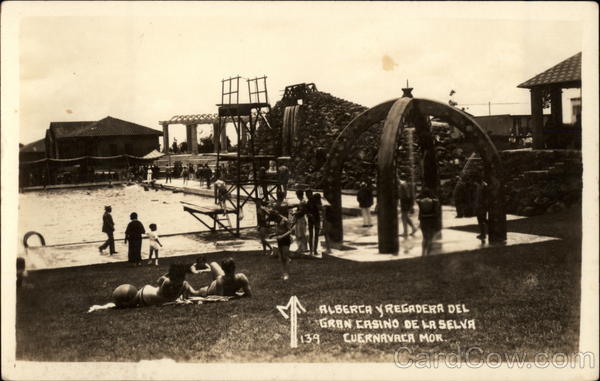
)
(178, 301)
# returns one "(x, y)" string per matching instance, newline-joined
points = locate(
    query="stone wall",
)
(541, 181)
(322, 118)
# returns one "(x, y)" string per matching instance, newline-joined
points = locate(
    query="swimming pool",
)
(69, 216)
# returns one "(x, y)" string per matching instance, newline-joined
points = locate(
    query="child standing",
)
(284, 229)
(262, 218)
(154, 244)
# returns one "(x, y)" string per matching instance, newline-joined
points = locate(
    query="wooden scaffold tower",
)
(244, 163)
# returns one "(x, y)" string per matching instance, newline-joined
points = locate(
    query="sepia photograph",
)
(299, 190)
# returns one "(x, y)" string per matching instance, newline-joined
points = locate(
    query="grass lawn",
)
(524, 298)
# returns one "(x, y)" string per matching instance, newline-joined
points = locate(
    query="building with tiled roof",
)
(566, 73)
(547, 86)
(33, 151)
(106, 137)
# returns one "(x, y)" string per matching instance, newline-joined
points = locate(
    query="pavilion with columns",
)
(546, 89)
(191, 123)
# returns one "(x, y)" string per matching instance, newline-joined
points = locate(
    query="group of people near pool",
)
(133, 237)
(429, 211)
(303, 220)
(172, 285)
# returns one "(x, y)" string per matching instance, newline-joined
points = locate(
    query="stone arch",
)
(397, 113)
(332, 170)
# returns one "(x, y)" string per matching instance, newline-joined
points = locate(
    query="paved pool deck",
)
(349, 203)
(360, 245)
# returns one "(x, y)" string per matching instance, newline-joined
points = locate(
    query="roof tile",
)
(108, 126)
(566, 71)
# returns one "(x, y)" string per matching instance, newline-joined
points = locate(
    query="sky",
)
(146, 64)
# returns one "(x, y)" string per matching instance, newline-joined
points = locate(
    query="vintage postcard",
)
(299, 190)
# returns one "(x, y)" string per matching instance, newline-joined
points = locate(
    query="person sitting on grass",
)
(173, 285)
(200, 266)
(225, 282)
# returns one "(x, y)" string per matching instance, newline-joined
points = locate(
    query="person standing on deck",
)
(459, 195)
(133, 236)
(301, 223)
(168, 174)
(208, 175)
(155, 171)
(200, 174)
(328, 221)
(283, 175)
(313, 206)
(281, 205)
(262, 219)
(365, 201)
(406, 207)
(480, 205)
(185, 174)
(108, 227)
(262, 182)
(283, 230)
(191, 171)
(428, 216)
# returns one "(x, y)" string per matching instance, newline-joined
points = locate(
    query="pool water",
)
(70, 216)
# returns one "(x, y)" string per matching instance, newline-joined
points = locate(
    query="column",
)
(556, 106)
(244, 132)
(165, 127)
(537, 118)
(215, 136)
(188, 137)
(224, 146)
(194, 139)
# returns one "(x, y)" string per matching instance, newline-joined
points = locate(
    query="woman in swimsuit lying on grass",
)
(225, 281)
(172, 285)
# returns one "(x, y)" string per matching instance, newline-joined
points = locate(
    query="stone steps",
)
(542, 181)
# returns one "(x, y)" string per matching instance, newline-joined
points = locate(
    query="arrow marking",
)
(294, 307)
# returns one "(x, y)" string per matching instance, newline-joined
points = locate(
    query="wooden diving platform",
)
(213, 213)
(240, 109)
